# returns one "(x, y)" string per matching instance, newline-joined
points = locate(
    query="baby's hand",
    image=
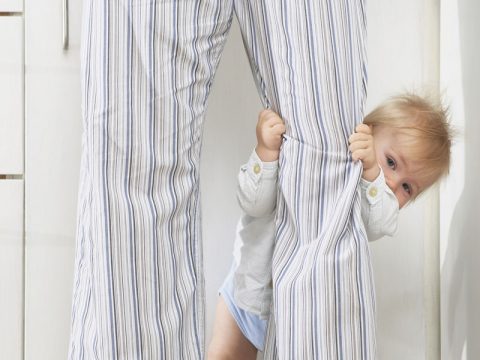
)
(270, 128)
(363, 148)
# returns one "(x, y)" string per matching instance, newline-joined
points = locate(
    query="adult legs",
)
(147, 68)
(309, 58)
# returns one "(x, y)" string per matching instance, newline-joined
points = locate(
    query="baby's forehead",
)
(406, 131)
(410, 141)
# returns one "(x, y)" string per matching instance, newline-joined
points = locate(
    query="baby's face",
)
(398, 167)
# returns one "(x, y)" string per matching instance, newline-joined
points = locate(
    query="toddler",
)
(404, 146)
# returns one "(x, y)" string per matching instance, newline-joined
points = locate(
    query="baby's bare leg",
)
(228, 342)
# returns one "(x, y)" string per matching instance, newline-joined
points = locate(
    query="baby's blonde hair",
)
(426, 123)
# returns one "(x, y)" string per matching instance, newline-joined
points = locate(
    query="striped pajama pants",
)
(147, 69)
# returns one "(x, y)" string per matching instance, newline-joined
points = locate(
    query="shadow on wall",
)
(460, 284)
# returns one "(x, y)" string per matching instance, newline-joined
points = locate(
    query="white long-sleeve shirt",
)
(255, 237)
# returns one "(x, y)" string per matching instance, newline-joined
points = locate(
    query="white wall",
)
(400, 57)
(459, 195)
(228, 139)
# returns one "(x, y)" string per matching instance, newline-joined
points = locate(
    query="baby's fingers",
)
(364, 129)
(278, 129)
(268, 115)
(359, 154)
(274, 120)
(359, 137)
(358, 145)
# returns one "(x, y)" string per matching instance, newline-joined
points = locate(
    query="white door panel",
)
(11, 94)
(11, 269)
(11, 5)
(44, 36)
(53, 138)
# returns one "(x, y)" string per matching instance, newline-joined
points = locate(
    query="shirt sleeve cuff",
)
(374, 189)
(256, 168)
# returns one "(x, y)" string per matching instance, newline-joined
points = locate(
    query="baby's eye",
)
(391, 162)
(407, 188)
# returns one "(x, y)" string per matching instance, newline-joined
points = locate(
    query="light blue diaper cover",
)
(252, 327)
